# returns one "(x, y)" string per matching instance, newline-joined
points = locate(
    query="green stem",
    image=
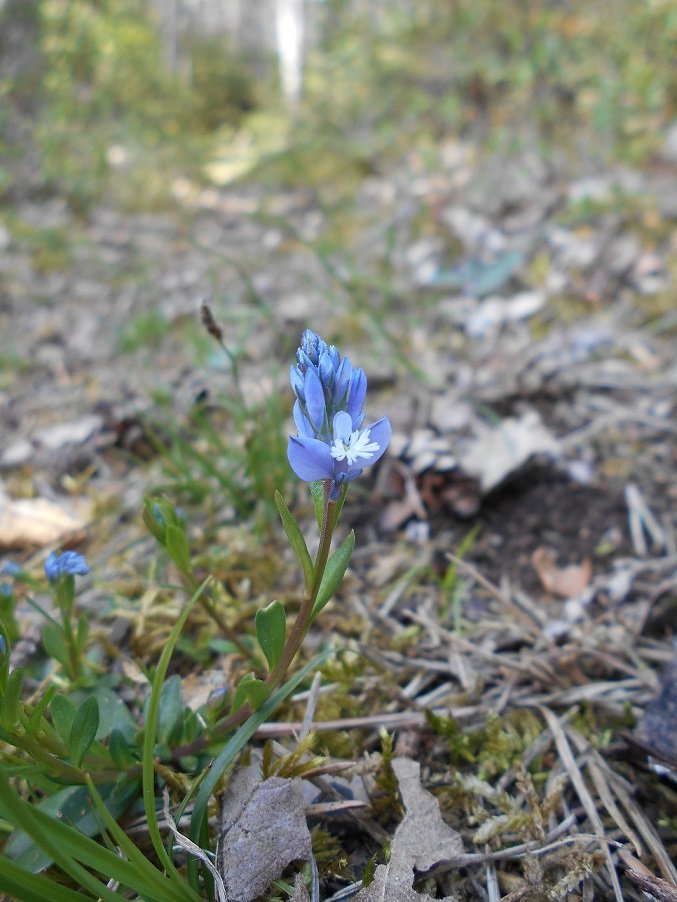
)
(73, 656)
(300, 628)
(293, 643)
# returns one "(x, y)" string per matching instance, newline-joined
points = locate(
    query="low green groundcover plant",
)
(75, 759)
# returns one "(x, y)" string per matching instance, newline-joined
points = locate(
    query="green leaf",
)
(334, 573)
(177, 547)
(54, 642)
(113, 714)
(83, 730)
(35, 719)
(250, 691)
(152, 718)
(171, 705)
(296, 540)
(317, 493)
(271, 631)
(63, 711)
(31, 888)
(9, 709)
(72, 806)
(119, 749)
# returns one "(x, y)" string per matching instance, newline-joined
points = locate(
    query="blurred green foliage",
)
(113, 119)
(573, 75)
(110, 116)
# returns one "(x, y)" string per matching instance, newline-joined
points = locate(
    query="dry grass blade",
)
(653, 887)
(645, 828)
(582, 791)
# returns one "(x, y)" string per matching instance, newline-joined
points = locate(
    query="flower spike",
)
(331, 443)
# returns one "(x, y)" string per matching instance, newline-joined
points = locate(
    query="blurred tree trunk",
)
(20, 58)
(290, 28)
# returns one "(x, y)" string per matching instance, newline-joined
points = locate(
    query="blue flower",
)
(331, 442)
(11, 568)
(3, 646)
(324, 385)
(68, 563)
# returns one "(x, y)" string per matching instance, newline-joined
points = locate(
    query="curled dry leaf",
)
(36, 521)
(263, 829)
(567, 582)
(422, 841)
(497, 451)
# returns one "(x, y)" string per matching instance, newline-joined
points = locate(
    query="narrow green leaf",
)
(135, 856)
(48, 832)
(240, 738)
(37, 712)
(250, 691)
(271, 631)
(170, 708)
(54, 642)
(83, 730)
(317, 493)
(334, 573)
(31, 888)
(177, 547)
(9, 709)
(71, 806)
(296, 540)
(152, 719)
(62, 710)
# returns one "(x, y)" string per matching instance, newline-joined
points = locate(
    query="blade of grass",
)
(61, 842)
(148, 770)
(240, 739)
(164, 888)
(31, 887)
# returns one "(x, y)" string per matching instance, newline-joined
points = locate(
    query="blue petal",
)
(310, 458)
(356, 395)
(303, 424)
(315, 402)
(342, 425)
(296, 380)
(326, 369)
(379, 432)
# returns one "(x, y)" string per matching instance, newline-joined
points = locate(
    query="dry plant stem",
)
(293, 643)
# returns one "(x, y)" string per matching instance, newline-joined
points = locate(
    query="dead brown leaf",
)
(263, 829)
(28, 522)
(567, 582)
(421, 841)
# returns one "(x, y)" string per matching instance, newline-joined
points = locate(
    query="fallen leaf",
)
(37, 521)
(567, 582)
(300, 891)
(499, 450)
(263, 829)
(421, 841)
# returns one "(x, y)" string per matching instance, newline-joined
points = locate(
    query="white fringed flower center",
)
(358, 447)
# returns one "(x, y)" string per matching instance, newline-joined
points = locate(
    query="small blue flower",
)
(68, 563)
(11, 568)
(6, 591)
(331, 442)
(3, 646)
